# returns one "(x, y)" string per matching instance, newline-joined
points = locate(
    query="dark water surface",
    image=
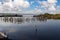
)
(25, 28)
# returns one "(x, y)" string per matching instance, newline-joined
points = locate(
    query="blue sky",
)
(58, 3)
(31, 6)
(37, 4)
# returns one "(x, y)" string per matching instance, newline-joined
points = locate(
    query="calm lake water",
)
(29, 28)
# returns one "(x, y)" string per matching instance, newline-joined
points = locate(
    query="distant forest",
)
(10, 15)
(46, 15)
(49, 16)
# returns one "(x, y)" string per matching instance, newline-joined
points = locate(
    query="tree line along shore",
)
(48, 16)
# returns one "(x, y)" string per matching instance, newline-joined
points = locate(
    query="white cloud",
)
(1, 8)
(8, 4)
(44, 4)
(49, 5)
(52, 5)
(58, 7)
(16, 5)
(21, 3)
(35, 11)
(52, 8)
(52, 1)
(6, 0)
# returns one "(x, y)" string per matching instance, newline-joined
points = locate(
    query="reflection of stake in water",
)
(11, 19)
(5, 19)
(35, 30)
